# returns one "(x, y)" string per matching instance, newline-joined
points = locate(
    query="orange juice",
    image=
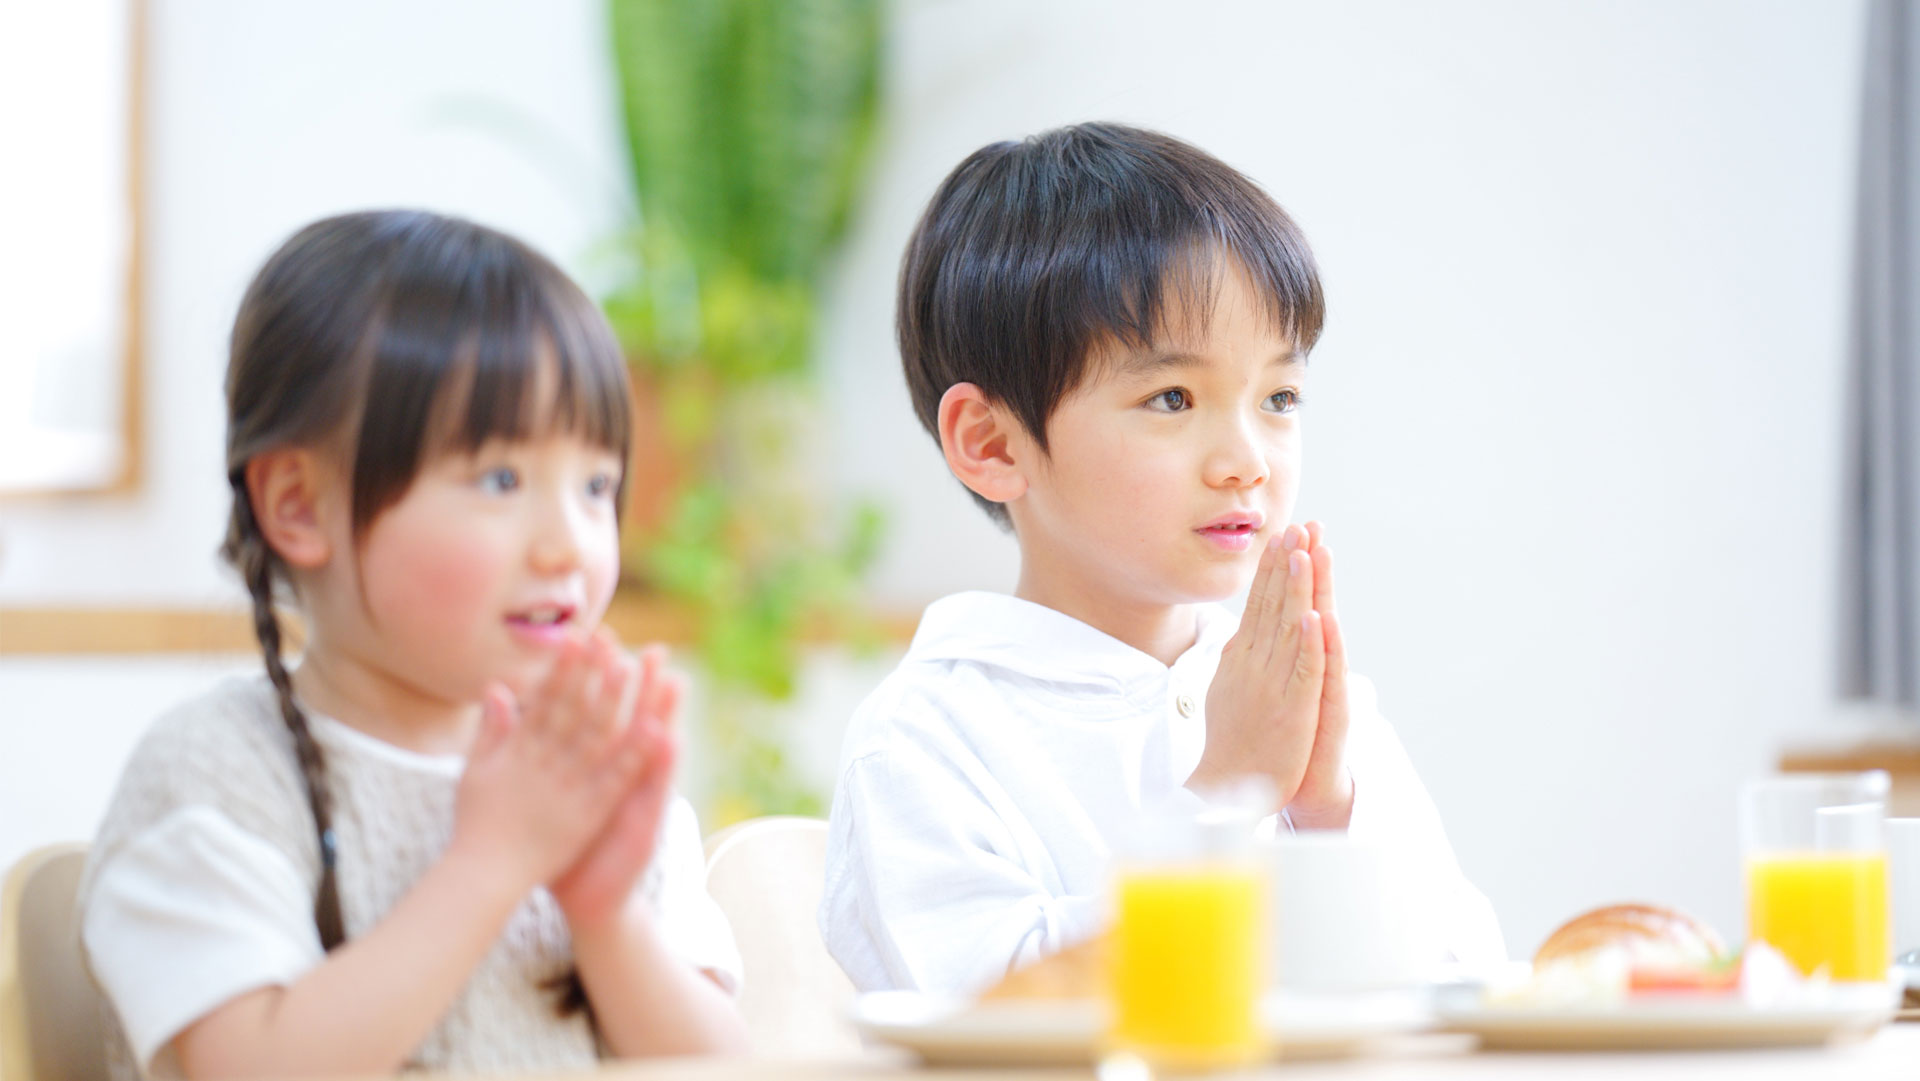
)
(1189, 964)
(1826, 908)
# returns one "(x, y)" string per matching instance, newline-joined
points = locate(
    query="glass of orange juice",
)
(1816, 858)
(1188, 963)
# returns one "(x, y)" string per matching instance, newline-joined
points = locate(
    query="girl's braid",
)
(248, 551)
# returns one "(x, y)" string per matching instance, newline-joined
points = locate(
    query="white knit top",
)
(201, 886)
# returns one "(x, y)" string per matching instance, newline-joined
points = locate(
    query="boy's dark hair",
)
(1032, 253)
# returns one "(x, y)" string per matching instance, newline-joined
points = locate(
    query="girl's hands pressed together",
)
(593, 889)
(542, 780)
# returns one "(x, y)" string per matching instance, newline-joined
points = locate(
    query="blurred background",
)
(1576, 424)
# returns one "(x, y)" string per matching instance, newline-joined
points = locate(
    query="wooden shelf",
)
(46, 631)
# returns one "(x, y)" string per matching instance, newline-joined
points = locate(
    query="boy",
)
(1106, 329)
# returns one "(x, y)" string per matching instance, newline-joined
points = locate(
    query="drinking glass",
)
(1816, 859)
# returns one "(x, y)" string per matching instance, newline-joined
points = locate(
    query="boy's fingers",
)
(1298, 602)
(1263, 599)
(1310, 661)
(1333, 694)
(1323, 580)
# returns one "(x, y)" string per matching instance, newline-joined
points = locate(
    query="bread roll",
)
(1652, 933)
(1075, 972)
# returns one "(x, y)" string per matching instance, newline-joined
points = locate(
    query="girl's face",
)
(480, 570)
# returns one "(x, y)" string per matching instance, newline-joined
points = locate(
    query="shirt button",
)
(1185, 705)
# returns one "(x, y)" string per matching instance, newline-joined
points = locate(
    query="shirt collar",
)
(1034, 640)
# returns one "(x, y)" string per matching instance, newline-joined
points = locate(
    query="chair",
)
(766, 874)
(50, 1022)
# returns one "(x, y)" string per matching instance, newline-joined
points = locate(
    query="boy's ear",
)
(980, 439)
(288, 490)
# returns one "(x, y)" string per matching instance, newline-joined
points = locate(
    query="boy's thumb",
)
(496, 721)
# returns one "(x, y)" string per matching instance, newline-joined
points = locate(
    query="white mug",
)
(1345, 916)
(1903, 883)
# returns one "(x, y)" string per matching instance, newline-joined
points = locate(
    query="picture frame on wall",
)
(71, 77)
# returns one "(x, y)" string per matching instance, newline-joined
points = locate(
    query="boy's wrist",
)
(1325, 811)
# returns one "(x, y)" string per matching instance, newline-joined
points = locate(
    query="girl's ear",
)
(981, 441)
(289, 489)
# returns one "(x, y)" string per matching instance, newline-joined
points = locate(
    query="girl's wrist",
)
(589, 921)
(488, 871)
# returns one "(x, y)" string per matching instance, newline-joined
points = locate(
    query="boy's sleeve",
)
(927, 886)
(1391, 804)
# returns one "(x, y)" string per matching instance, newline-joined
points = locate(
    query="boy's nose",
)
(1235, 461)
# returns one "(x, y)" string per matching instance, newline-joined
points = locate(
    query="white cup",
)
(1903, 883)
(1345, 916)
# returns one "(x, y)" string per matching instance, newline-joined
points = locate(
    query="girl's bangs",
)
(506, 349)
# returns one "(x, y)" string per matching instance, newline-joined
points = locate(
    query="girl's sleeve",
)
(690, 920)
(185, 916)
(927, 888)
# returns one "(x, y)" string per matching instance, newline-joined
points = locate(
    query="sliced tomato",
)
(1707, 980)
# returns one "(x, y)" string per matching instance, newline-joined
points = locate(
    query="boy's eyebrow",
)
(1143, 365)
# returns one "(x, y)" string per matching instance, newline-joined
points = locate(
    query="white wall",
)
(1574, 422)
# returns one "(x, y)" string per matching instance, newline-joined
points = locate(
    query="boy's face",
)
(1168, 467)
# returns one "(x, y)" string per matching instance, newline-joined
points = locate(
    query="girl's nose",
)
(556, 543)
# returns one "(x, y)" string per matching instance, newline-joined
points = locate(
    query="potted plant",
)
(749, 126)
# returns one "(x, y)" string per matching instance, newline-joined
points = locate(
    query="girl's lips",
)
(540, 632)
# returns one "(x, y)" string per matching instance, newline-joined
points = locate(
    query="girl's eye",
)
(1284, 401)
(1168, 401)
(499, 481)
(600, 485)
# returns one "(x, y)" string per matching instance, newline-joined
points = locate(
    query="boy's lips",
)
(1233, 532)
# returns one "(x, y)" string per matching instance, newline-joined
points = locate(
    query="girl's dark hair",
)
(387, 338)
(1033, 252)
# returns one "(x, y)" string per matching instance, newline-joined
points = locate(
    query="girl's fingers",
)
(496, 721)
(549, 698)
(1316, 535)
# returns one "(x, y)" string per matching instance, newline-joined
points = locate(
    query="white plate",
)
(1054, 1032)
(1838, 1012)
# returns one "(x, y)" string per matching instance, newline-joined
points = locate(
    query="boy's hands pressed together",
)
(1278, 703)
(1325, 796)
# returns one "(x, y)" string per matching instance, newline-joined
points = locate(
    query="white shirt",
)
(200, 886)
(984, 784)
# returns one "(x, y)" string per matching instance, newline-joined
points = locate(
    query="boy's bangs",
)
(1148, 282)
(508, 350)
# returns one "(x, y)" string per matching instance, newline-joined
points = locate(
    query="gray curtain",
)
(1880, 546)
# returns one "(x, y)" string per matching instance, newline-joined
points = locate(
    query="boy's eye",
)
(1284, 401)
(601, 484)
(1169, 401)
(499, 480)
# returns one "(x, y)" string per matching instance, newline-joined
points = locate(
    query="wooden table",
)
(1893, 1052)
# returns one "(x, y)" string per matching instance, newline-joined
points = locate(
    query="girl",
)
(446, 840)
